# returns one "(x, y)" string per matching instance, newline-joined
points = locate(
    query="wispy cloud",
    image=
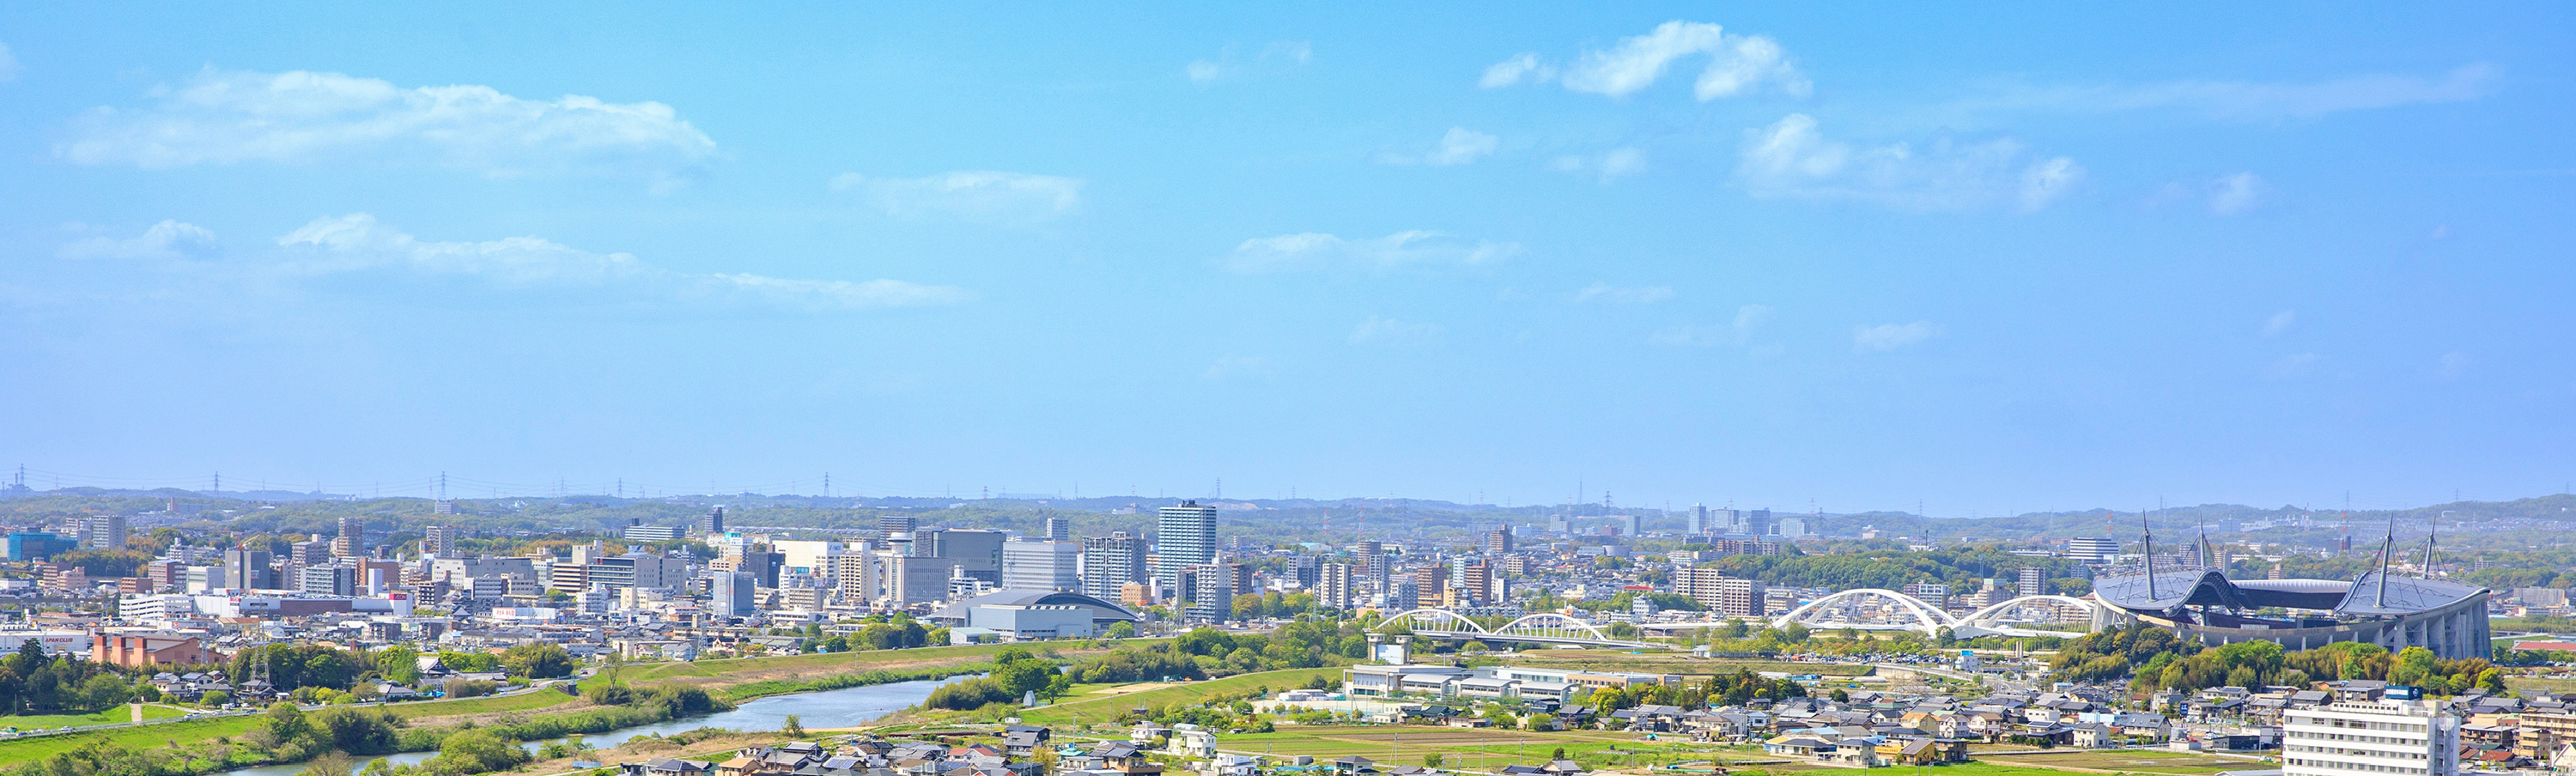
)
(972, 193)
(226, 117)
(1737, 64)
(1460, 146)
(2280, 322)
(1604, 293)
(1748, 320)
(1605, 166)
(2245, 100)
(1389, 332)
(1890, 336)
(1277, 56)
(2292, 366)
(9, 68)
(1402, 250)
(358, 243)
(2238, 194)
(1792, 159)
(165, 241)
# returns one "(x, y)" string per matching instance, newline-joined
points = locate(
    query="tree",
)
(537, 661)
(793, 726)
(476, 751)
(1121, 630)
(398, 664)
(1431, 760)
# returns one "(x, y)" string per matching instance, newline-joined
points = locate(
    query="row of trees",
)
(2156, 659)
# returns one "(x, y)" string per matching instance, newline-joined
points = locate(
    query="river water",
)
(827, 709)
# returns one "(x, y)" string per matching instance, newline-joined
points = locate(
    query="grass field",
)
(755, 668)
(2132, 761)
(1602, 660)
(108, 717)
(2532, 684)
(20, 750)
(533, 700)
(1477, 750)
(1101, 709)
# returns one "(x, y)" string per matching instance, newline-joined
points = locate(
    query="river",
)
(827, 709)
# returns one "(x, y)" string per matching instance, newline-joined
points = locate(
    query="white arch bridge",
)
(1542, 628)
(1873, 609)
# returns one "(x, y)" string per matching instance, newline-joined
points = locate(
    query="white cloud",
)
(2250, 101)
(1390, 332)
(969, 193)
(1460, 146)
(2280, 322)
(358, 243)
(1792, 159)
(1750, 317)
(1737, 64)
(2236, 194)
(313, 118)
(165, 241)
(1510, 72)
(1313, 250)
(1278, 56)
(1890, 336)
(2292, 366)
(9, 68)
(1608, 165)
(1747, 319)
(1604, 293)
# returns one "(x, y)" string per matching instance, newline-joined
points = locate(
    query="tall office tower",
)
(854, 574)
(1059, 529)
(1308, 570)
(439, 540)
(1371, 557)
(732, 591)
(106, 532)
(1188, 538)
(1698, 519)
(1110, 562)
(1040, 565)
(715, 522)
(1499, 540)
(1429, 585)
(249, 570)
(2028, 581)
(1757, 522)
(1632, 524)
(1333, 586)
(762, 565)
(1560, 523)
(1789, 527)
(352, 542)
(977, 551)
(896, 524)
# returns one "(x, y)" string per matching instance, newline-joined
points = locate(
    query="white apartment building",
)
(2352, 738)
(1040, 565)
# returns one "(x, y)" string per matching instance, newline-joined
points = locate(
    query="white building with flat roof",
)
(2403, 737)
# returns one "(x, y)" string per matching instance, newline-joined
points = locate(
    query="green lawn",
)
(2135, 760)
(21, 750)
(822, 664)
(1480, 749)
(533, 700)
(1102, 709)
(108, 717)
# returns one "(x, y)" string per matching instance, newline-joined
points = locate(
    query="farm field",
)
(1102, 708)
(122, 713)
(1481, 749)
(22, 750)
(2132, 761)
(532, 700)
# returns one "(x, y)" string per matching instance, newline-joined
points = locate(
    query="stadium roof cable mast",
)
(2387, 547)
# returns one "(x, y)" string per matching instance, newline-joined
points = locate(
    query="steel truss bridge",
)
(1900, 612)
(1542, 628)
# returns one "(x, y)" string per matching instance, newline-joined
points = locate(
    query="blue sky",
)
(2023, 257)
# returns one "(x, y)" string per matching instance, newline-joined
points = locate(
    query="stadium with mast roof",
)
(2384, 608)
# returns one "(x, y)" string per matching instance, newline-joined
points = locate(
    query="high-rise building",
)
(104, 532)
(1429, 585)
(854, 574)
(1371, 559)
(352, 542)
(2092, 550)
(1720, 594)
(1214, 586)
(249, 570)
(1187, 538)
(1698, 519)
(1632, 524)
(439, 540)
(1110, 562)
(1789, 527)
(762, 565)
(1059, 529)
(1499, 540)
(328, 579)
(1040, 565)
(714, 524)
(651, 533)
(1307, 570)
(1477, 580)
(2402, 736)
(2029, 581)
(1333, 588)
(1560, 523)
(978, 552)
(732, 592)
